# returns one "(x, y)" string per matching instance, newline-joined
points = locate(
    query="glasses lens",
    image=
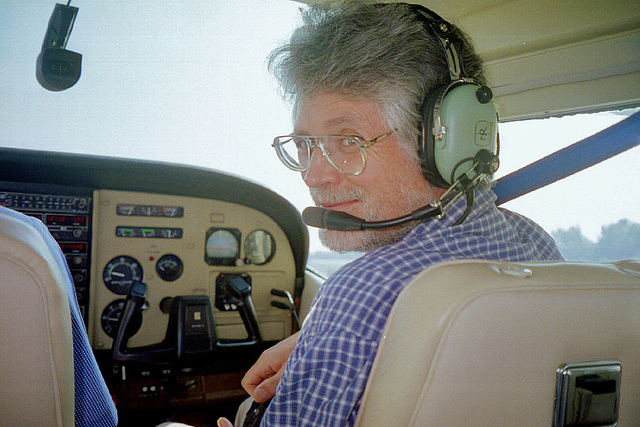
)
(293, 152)
(345, 153)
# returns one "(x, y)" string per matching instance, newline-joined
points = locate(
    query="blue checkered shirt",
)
(326, 374)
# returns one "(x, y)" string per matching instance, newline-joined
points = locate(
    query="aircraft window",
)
(594, 214)
(197, 92)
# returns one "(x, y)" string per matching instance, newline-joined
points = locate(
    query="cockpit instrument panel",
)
(179, 246)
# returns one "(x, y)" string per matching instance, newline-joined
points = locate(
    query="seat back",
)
(36, 345)
(480, 343)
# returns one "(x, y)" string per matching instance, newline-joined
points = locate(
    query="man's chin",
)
(361, 241)
(342, 241)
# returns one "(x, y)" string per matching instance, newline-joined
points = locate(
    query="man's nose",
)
(319, 171)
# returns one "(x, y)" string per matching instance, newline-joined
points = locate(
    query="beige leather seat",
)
(480, 343)
(36, 347)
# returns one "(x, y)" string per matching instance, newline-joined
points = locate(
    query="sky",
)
(186, 82)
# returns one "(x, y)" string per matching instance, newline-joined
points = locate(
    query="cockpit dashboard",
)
(180, 230)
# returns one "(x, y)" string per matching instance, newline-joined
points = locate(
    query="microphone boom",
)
(331, 220)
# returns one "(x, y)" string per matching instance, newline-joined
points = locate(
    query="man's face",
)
(391, 184)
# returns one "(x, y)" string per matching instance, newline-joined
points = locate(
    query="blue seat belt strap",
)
(594, 149)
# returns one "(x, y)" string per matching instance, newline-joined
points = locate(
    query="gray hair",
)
(377, 52)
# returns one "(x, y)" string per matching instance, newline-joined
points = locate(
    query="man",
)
(363, 70)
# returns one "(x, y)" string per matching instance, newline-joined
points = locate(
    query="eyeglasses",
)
(346, 153)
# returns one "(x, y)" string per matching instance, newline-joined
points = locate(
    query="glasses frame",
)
(315, 141)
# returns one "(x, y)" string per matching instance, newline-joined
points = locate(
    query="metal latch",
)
(587, 394)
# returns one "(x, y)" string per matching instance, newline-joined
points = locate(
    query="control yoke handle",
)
(191, 328)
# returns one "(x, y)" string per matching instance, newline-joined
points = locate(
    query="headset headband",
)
(441, 29)
(459, 118)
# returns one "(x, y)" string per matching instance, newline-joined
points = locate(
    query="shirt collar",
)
(485, 198)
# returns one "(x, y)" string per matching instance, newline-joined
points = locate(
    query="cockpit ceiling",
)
(547, 58)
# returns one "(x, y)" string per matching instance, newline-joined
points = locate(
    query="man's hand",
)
(262, 379)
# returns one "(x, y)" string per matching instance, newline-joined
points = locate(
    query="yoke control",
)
(191, 328)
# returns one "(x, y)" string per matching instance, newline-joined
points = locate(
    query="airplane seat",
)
(36, 366)
(488, 343)
(47, 369)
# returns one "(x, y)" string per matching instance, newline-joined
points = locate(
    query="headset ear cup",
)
(467, 122)
(427, 140)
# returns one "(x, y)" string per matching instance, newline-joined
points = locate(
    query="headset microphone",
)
(341, 221)
(331, 220)
(485, 163)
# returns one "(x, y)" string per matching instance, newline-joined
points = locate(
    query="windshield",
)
(187, 83)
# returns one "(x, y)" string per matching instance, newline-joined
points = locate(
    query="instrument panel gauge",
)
(169, 267)
(120, 273)
(111, 316)
(126, 209)
(259, 247)
(222, 246)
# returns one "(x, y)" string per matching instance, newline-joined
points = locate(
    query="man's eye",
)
(347, 142)
(299, 142)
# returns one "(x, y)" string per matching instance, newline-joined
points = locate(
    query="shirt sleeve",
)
(323, 381)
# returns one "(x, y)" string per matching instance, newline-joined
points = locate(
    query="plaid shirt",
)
(326, 374)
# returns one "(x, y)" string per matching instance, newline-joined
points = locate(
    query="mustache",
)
(325, 195)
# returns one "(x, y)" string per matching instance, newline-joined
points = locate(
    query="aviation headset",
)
(459, 119)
